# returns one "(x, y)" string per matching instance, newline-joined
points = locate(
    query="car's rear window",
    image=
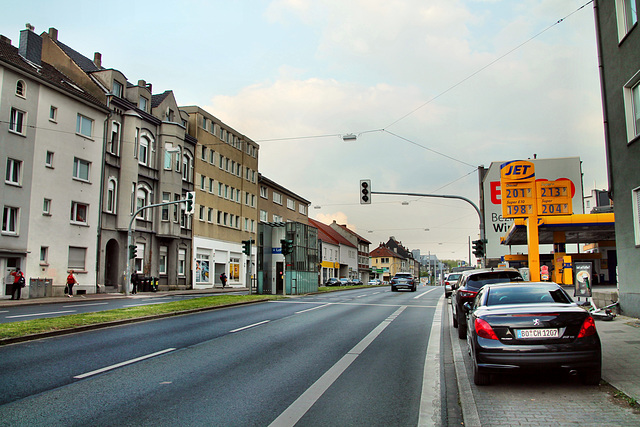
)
(479, 280)
(453, 277)
(526, 294)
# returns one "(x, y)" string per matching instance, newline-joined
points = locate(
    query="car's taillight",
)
(588, 327)
(484, 330)
(467, 294)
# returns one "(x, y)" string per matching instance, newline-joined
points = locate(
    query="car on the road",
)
(403, 281)
(467, 287)
(333, 281)
(531, 326)
(449, 281)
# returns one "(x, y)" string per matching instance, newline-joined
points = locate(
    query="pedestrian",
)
(223, 279)
(18, 283)
(70, 282)
(135, 281)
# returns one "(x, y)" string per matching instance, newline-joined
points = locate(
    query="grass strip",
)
(36, 326)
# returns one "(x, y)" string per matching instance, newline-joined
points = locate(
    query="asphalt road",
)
(360, 357)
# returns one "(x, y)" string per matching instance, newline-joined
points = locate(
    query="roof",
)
(44, 72)
(344, 227)
(383, 251)
(87, 65)
(273, 184)
(331, 234)
(159, 98)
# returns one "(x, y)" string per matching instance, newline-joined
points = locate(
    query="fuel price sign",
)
(554, 197)
(518, 199)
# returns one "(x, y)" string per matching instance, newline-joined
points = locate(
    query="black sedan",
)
(531, 326)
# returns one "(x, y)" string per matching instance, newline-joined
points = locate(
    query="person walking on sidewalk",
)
(223, 279)
(70, 282)
(18, 283)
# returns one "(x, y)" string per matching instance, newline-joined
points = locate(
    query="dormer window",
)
(117, 89)
(21, 89)
(143, 104)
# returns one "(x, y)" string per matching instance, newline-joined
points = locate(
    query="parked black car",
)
(531, 326)
(467, 287)
(356, 282)
(333, 282)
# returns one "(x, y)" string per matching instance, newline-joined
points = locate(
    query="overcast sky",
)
(431, 89)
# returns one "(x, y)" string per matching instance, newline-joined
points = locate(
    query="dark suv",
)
(467, 287)
(403, 281)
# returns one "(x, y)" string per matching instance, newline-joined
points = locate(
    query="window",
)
(178, 158)
(84, 126)
(203, 153)
(46, 207)
(635, 194)
(114, 141)
(168, 148)
(302, 209)
(166, 197)
(162, 261)
(112, 188)
(138, 262)
(143, 197)
(81, 169)
(627, 16)
(17, 123)
(291, 204)
(264, 216)
(263, 192)
(10, 220)
(79, 212)
(186, 167)
(632, 106)
(277, 198)
(53, 113)
(77, 258)
(210, 215)
(143, 104)
(182, 256)
(117, 89)
(13, 173)
(170, 114)
(48, 159)
(201, 213)
(202, 268)
(21, 88)
(212, 157)
(211, 185)
(277, 218)
(143, 152)
(44, 255)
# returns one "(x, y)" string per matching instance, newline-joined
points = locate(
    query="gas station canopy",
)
(579, 228)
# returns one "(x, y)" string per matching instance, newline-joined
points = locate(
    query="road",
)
(358, 357)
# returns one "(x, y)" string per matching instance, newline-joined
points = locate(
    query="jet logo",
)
(517, 170)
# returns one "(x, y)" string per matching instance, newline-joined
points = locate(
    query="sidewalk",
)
(93, 297)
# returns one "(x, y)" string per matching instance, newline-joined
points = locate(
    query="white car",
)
(449, 281)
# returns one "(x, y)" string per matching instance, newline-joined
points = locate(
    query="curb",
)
(59, 332)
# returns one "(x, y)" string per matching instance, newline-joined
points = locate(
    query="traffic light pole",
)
(445, 196)
(127, 274)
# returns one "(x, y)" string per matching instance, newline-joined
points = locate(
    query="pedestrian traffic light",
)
(287, 246)
(133, 251)
(478, 248)
(246, 247)
(365, 191)
(190, 207)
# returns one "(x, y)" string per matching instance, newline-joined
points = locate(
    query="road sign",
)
(554, 197)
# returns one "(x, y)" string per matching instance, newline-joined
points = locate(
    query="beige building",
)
(226, 213)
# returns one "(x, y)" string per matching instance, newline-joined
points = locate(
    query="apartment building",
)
(618, 40)
(226, 212)
(363, 271)
(51, 149)
(148, 159)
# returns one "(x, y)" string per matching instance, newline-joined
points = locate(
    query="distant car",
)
(356, 282)
(403, 281)
(344, 281)
(467, 287)
(449, 281)
(375, 282)
(333, 282)
(531, 326)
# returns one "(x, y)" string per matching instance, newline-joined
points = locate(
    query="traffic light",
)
(246, 247)
(133, 251)
(287, 246)
(478, 248)
(190, 207)
(365, 191)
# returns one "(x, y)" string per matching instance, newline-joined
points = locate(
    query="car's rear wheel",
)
(393, 289)
(591, 377)
(455, 320)
(462, 328)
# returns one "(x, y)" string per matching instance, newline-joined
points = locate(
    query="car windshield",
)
(479, 280)
(526, 294)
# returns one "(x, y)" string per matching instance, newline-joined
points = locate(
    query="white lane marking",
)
(127, 362)
(430, 408)
(85, 305)
(250, 326)
(296, 411)
(424, 293)
(313, 308)
(39, 314)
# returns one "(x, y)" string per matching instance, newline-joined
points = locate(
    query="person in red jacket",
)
(18, 283)
(70, 282)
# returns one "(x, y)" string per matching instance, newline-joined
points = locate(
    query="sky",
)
(432, 89)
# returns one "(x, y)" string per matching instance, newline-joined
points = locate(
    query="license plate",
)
(536, 333)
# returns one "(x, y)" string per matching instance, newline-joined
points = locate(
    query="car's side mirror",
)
(467, 307)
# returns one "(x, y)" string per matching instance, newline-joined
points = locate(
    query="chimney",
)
(97, 59)
(53, 34)
(30, 45)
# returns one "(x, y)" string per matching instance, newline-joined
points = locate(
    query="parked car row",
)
(514, 326)
(343, 281)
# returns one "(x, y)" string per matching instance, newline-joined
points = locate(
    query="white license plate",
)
(536, 333)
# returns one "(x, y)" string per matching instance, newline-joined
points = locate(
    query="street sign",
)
(517, 189)
(554, 197)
